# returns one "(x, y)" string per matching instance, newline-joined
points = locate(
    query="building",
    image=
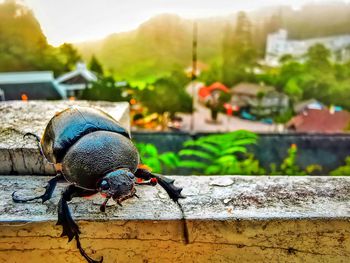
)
(320, 121)
(278, 45)
(258, 99)
(32, 85)
(76, 81)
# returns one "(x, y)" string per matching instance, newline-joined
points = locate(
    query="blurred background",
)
(279, 70)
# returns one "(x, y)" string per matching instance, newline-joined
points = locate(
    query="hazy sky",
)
(79, 20)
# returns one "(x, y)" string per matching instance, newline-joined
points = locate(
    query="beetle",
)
(94, 153)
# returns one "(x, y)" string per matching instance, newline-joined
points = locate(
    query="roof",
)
(34, 84)
(325, 121)
(26, 77)
(34, 91)
(250, 89)
(206, 91)
(80, 70)
(307, 104)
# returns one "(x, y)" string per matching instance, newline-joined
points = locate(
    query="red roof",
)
(322, 121)
(206, 91)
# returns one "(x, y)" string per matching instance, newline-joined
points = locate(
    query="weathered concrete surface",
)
(22, 156)
(229, 219)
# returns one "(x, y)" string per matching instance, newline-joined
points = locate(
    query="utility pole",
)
(194, 71)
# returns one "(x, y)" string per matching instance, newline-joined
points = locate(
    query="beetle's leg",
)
(168, 184)
(70, 228)
(50, 187)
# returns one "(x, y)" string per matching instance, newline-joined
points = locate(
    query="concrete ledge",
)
(229, 218)
(22, 156)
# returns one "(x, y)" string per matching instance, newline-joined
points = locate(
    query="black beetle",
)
(93, 152)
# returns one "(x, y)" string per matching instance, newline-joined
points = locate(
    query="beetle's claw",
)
(173, 191)
(103, 206)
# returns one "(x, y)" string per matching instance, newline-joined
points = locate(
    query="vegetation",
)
(318, 78)
(289, 166)
(105, 88)
(239, 53)
(148, 56)
(154, 160)
(343, 170)
(166, 94)
(95, 66)
(224, 154)
(218, 154)
(23, 46)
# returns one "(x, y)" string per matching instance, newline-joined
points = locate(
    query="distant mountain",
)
(158, 46)
(164, 42)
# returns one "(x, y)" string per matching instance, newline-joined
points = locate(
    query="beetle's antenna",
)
(184, 223)
(37, 138)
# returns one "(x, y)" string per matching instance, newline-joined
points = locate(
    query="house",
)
(76, 81)
(32, 85)
(271, 103)
(320, 121)
(278, 44)
(243, 92)
(258, 99)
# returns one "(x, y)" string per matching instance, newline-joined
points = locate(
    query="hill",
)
(164, 43)
(158, 46)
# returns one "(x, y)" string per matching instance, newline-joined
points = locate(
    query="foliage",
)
(166, 94)
(213, 74)
(284, 117)
(239, 53)
(69, 56)
(317, 78)
(226, 154)
(158, 163)
(95, 66)
(104, 88)
(343, 170)
(23, 46)
(289, 165)
(220, 154)
(313, 169)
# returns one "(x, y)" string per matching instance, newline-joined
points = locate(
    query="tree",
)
(23, 46)
(69, 55)
(212, 75)
(104, 89)
(318, 57)
(95, 65)
(238, 51)
(167, 94)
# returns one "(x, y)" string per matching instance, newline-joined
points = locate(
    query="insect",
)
(94, 153)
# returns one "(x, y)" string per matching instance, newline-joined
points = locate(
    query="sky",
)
(81, 20)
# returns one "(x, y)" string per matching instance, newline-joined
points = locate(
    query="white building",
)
(278, 45)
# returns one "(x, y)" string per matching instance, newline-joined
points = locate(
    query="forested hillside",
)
(23, 46)
(163, 43)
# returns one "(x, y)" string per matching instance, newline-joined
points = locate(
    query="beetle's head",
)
(119, 184)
